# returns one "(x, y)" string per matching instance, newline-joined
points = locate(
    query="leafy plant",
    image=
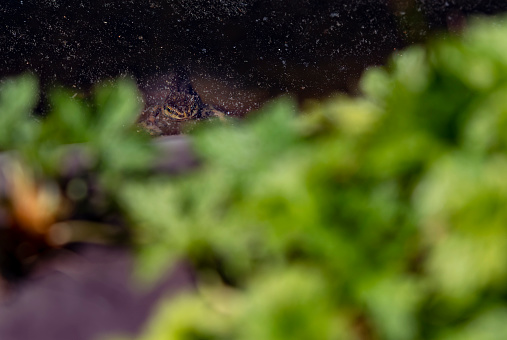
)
(60, 174)
(377, 217)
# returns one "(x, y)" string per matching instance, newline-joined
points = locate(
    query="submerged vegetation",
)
(375, 217)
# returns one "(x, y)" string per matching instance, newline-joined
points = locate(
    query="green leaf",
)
(118, 107)
(18, 97)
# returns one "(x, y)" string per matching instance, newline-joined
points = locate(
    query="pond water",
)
(238, 53)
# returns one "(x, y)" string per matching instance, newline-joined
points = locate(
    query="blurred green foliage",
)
(101, 127)
(376, 217)
(60, 174)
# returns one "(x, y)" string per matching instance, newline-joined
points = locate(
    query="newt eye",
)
(175, 114)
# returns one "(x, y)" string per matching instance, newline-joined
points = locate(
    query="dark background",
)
(310, 48)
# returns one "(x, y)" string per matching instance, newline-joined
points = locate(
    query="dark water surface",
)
(310, 48)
